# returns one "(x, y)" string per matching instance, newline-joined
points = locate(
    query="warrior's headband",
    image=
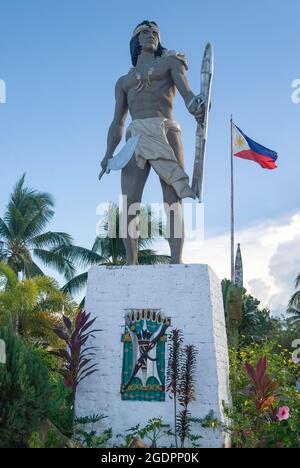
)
(144, 26)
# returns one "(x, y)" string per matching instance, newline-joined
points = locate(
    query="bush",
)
(24, 392)
(270, 432)
(60, 411)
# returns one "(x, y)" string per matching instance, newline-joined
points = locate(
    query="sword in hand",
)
(200, 107)
(121, 159)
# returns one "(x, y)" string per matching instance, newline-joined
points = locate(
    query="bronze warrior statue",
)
(147, 91)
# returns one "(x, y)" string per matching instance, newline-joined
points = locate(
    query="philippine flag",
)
(245, 148)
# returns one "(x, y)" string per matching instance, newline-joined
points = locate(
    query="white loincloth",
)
(154, 147)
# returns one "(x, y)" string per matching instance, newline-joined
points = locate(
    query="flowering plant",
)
(266, 404)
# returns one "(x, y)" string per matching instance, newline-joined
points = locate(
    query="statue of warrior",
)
(147, 91)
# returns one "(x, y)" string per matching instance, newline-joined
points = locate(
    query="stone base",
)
(191, 296)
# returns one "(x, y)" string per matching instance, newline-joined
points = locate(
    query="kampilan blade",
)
(122, 158)
(207, 71)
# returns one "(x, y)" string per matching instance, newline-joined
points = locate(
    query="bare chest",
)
(148, 78)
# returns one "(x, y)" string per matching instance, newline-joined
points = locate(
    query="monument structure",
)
(238, 270)
(136, 306)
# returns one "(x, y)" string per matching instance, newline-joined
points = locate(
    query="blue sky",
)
(60, 60)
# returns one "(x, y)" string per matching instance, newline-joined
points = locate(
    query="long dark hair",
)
(135, 48)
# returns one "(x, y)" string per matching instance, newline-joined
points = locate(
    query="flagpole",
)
(232, 205)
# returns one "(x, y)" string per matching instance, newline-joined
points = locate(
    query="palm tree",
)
(295, 299)
(108, 249)
(23, 238)
(295, 315)
(34, 304)
(246, 323)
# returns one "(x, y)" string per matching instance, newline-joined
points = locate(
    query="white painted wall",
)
(191, 296)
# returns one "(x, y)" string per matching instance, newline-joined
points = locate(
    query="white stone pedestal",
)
(191, 296)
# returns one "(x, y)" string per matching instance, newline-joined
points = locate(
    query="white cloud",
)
(271, 257)
(261, 289)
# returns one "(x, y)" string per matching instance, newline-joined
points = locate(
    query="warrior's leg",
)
(173, 204)
(133, 183)
(175, 225)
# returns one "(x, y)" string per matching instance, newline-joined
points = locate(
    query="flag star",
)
(239, 141)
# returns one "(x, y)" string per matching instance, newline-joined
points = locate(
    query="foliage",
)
(24, 392)
(295, 299)
(295, 314)
(246, 323)
(257, 325)
(76, 357)
(180, 383)
(53, 440)
(60, 409)
(87, 436)
(34, 441)
(186, 392)
(154, 430)
(208, 422)
(49, 361)
(254, 414)
(175, 344)
(23, 239)
(233, 299)
(34, 305)
(262, 390)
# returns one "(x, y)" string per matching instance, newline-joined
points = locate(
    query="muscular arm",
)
(178, 74)
(116, 128)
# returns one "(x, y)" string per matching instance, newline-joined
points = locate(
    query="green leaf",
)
(51, 240)
(76, 284)
(56, 260)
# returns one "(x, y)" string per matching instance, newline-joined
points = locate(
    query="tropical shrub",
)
(60, 409)
(246, 323)
(173, 374)
(186, 392)
(154, 430)
(76, 356)
(266, 404)
(34, 305)
(24, 392)
(181, 372)
(86, 433)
